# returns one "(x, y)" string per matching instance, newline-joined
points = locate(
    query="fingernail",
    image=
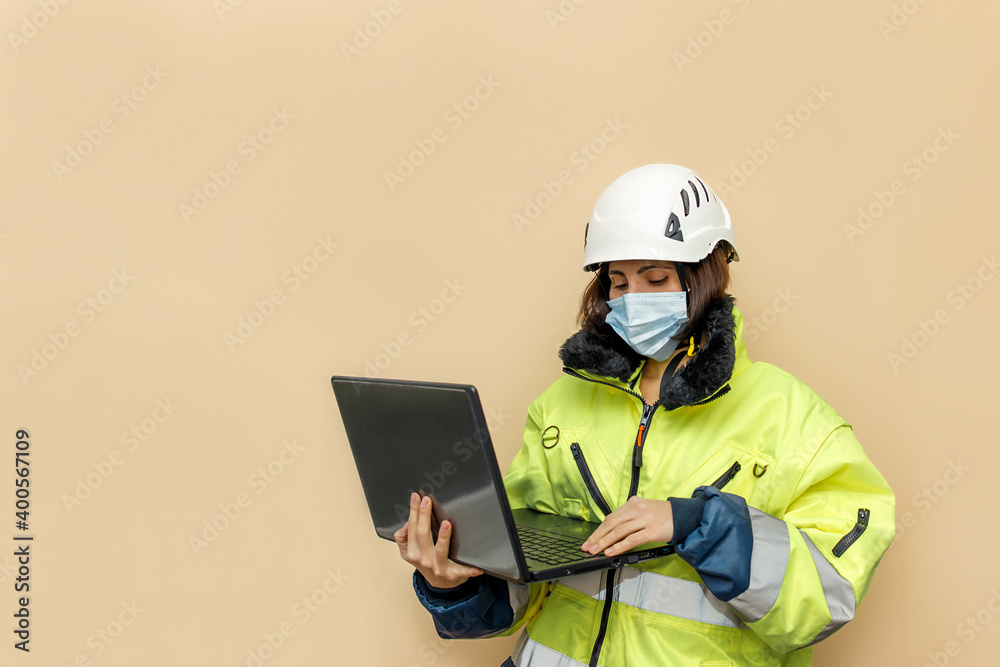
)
(586, 546)
(425, 501)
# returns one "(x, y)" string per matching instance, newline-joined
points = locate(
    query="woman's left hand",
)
(638, 521)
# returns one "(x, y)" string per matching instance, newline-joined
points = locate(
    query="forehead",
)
(634, 265)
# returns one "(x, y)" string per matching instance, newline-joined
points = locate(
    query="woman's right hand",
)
(416, 546)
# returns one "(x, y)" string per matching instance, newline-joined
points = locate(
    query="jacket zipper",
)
(609, 594)
(609, 591)
(852, 537)
(570, 371)
(588, 479)
(640, 436)
(727, 476)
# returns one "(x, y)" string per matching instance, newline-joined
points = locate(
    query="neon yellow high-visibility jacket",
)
(780, 518)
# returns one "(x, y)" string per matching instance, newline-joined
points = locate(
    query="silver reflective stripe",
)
(838, 591)
(589, 583)
(520, 595)
(676, 597)
(529, 653)
(659, 593)
(768, 562)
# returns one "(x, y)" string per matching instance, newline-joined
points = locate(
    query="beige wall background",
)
(197, 229)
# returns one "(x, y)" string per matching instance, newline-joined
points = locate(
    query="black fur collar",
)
(605, 353)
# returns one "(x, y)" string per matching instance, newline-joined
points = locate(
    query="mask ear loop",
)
(680, 269)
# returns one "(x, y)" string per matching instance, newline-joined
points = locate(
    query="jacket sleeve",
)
(484, 606)
(794, 579)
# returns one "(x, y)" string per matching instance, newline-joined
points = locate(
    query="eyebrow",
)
(643, 269)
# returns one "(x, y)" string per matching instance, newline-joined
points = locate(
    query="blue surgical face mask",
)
(648, 321)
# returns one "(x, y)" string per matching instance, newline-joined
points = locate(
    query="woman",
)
(777, 516)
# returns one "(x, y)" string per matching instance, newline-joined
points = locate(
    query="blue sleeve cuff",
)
(721, 545)
(687, 514)
(461, 593)
(476, 608)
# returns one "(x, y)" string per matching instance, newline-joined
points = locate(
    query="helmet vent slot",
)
(707, 197)
(697, 198)
(687, 202)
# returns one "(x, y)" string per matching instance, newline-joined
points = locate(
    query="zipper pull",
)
(859, 528)
(637, 456)
(727, 476)
(641, 436)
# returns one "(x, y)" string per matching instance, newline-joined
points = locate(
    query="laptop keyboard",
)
(550, 548)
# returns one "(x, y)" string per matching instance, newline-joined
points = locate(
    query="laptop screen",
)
(431, 438)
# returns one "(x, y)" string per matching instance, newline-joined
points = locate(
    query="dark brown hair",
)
(707, 282)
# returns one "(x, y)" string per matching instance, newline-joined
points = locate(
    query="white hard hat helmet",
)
(658, 211)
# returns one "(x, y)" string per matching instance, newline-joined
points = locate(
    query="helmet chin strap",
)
(693, 347)
(674, 363)
(604, 280)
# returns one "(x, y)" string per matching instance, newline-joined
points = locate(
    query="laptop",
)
(432, 438)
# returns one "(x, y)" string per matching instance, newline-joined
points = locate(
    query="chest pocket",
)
(583, 480)
(735, 469)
